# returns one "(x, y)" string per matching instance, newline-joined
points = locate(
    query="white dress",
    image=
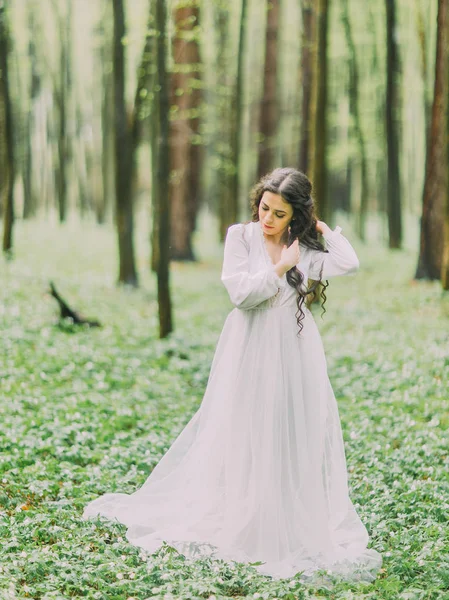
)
(259, 472)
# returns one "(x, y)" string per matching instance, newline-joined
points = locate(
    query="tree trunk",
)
(269, 110)
(161, 202)
(309, 23)
(392, 114)
(232, 210)
(435, 185)
(423, 35)
(222, 143)
(61, 96)
(435, 193)
(319, 116)
(123, 170)
(355, 113)
(107, 200)
(7, 165)
(185, 152)
(145, 85)
(29, 194)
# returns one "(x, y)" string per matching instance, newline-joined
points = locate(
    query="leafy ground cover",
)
(92, 411)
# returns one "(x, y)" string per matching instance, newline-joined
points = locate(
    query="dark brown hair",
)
(295, 188)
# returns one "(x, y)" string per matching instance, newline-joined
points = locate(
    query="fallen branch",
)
(69, 313)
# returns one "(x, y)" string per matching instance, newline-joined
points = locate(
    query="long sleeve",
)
(340, 260)
(245, 289)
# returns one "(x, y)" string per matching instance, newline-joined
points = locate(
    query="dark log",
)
(69, 313)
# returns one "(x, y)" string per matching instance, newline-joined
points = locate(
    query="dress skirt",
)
(259, 472)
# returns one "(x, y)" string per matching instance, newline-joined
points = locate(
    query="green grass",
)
(92, 411)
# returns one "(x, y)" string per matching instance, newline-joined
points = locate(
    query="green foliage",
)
(93, 410)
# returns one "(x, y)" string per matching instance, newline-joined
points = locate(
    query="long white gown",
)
(259, 472)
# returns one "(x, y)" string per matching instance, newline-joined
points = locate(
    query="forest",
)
(131, 133)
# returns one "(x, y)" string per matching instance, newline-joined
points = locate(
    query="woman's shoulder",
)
(246, 226)
(242, 230)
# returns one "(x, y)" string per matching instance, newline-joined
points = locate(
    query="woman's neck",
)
(279, 239)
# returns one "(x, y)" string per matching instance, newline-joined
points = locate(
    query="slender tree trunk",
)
(392, 114)
(7, 164)
(123, 164)
(222, 145)
(61, 96)
(269, 110)
(107, 199)
(309, 24)
(83, 165)
(319, 116)
(185, 152)
(29, 195)
(355, 113)
(162, 163)
(145, 85)
(435, 194)
(233, 209)
(154, 144)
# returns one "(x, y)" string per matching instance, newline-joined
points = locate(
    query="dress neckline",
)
(264, 244)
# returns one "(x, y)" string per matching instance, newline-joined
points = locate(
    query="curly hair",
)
(295, 188)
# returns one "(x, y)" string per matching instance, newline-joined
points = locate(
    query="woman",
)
(259, 473)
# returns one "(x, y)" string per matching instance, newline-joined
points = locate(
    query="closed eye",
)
(280, 216)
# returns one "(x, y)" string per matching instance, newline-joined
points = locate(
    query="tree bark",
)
(436, 181)
(61, 96)
(269, 110)
(423, 36)
(7, 164)
(222, 142)
(107, 199)
(309, 24)
(185, 151)
(392, 113)
(355, 113)
(146, 74)
(161, 163)
(29, 194)
(233, 209)
(319, 116)
(123, 169)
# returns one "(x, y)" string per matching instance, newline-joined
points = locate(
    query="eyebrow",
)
(276, 209)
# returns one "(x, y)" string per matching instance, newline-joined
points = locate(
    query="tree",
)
(434, 219)
(62, 80)
(123, 158)
(306, 84)
(356, 119)
(145, 84)
(161, 172)
(223, 90)
(7, 165)
(185, 151)
(392, 110)
(29, 194)
(318, 114)
(231, 211)
(269, 110)
(107, 200)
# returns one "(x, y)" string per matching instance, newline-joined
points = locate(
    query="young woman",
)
(259, 472)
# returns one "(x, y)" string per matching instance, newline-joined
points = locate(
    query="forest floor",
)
(92, 411)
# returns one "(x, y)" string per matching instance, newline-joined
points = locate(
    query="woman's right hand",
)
(290, 256)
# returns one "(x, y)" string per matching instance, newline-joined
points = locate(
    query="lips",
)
(268, 226)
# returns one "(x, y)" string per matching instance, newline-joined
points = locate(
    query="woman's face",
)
(274, 213)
